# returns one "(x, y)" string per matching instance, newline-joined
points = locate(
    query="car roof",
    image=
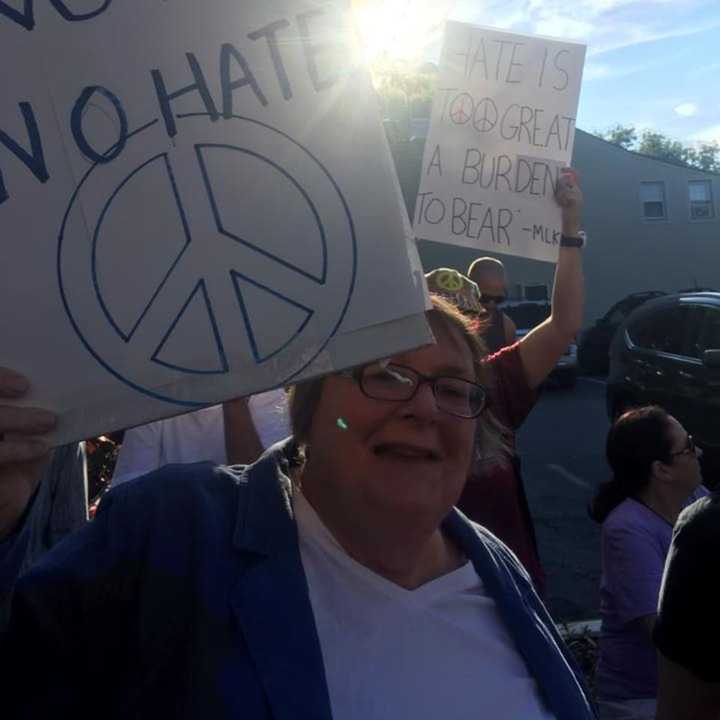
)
(634, 299)
(645, 293)
(714, 297)
(650, 306)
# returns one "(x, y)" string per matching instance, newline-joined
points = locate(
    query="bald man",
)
(489, 275)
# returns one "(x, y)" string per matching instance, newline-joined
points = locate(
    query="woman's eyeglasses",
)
(453, 395)
(689, 448)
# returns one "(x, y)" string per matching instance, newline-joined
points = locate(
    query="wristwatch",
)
(576, 241)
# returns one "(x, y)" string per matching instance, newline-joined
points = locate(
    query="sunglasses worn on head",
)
(497, 299)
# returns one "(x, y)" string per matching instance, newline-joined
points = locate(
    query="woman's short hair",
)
(635, 441)
(304, 398)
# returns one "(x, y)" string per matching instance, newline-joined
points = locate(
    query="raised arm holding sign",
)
(543, 346)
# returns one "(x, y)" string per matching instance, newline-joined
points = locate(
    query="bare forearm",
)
(569, 288)
(541, 348)
(568, 297)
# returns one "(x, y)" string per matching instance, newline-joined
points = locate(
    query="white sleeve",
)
(269, 412)
(140, 453)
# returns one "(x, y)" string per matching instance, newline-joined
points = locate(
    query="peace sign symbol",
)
(450, 280)
(461, 108)
(207, 258)
(485, 116)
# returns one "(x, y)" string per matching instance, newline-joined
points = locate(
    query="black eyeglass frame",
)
(689, 449)
(357, 374)
(497, 299)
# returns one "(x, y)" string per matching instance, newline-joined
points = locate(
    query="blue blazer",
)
(186, 598)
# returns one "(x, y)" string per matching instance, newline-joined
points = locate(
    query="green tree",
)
(404, 91)
(706, 156)
(662, 147)
(624, 136)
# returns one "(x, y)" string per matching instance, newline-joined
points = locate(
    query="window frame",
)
(710, 201)
(647, 218)
(708, 311)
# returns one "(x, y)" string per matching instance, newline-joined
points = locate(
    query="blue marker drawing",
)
(285, 312)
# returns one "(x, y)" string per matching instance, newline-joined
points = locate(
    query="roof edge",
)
(671, 163)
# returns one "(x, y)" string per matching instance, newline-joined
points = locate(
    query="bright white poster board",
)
(503, 124)
(197, 202)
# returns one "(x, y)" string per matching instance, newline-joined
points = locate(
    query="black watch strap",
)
(576, 242)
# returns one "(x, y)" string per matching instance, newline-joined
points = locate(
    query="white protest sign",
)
(197, 202)
(503, 124)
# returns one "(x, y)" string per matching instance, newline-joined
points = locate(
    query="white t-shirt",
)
(440, 652)
(196, 436)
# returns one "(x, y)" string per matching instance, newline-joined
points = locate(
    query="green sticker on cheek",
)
(342, 424)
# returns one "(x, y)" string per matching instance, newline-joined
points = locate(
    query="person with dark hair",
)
(687, 631)
(331, 578)
(655, 472)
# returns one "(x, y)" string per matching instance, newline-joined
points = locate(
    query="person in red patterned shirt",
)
(494, 495)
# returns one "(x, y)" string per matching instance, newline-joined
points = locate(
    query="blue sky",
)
(651, 63)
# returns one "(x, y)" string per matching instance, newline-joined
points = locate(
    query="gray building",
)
(651, 225)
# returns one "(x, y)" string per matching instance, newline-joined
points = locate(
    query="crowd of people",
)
(358, 547)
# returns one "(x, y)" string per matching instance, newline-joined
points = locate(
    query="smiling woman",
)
(410, 450)
(373, 499)
(339, 582)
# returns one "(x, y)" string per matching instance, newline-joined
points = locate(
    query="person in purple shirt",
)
(655, 474)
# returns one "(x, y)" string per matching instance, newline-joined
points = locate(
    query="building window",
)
(652, 196)
(701, 203)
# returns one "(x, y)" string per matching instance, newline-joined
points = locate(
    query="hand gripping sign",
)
(199, 209)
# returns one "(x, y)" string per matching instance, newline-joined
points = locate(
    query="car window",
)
(665, 330)
(694, 322)
(710, 333)
(643, 331)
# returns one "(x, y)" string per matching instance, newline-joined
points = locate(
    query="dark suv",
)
(668, 352)
(595, 342)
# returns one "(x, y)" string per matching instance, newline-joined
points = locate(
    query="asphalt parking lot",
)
(562, 448)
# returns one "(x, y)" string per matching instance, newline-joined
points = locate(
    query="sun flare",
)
(399, 29)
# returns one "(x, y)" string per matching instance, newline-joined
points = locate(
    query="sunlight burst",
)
(399, 29)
